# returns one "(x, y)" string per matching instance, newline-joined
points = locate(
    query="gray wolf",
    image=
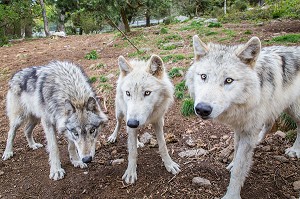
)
(59, 96)
(246, 87)
(144, 93)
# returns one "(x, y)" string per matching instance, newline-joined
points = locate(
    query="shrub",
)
(92, 55)
(187, 108)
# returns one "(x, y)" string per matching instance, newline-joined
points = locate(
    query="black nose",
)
(87, 159)
(203, 109)
(133, 123)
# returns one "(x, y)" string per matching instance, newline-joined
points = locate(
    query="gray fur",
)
(59, 96)
(262, 84)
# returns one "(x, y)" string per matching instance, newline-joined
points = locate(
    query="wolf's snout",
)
(133, 123)
(203, 109)
(87, 159)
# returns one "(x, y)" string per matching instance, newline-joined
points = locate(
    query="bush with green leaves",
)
(92, 79)
(289, 38)
(92, 55)
(163, 31)
(175, 72)
(103, 78)
(180, 90)
(187, 108)
(214, 25)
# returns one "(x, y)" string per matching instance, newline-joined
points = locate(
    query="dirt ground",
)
(26, 174)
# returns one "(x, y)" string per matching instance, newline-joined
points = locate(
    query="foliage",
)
(103, 78)
(92, 55)
(173, 57)
(214, 25)
(180, 89)
(92, 79)
(291, 38)
(187, 108)
(163, 31)
(195, 25)
(284, 8)
(286, 122)
(291, 135)
(175, 72)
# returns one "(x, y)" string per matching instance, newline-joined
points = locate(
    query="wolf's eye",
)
(147, 93)
(92, 130)
(127, 93)
(203, 76)
(228, 80)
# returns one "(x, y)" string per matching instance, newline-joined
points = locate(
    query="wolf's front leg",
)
(130, 175)
(56, 172)
(112, 138)
(170, 165)
(236, 145)
(74, 158)
(242, 164)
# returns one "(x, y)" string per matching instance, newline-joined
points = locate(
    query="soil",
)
(26, 174)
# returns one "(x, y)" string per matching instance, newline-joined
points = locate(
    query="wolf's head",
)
(223, 76)
(83, 124)
(145, 90)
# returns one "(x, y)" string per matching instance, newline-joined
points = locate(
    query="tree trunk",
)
(125, 20)
(147, 19)
(225, 9)
(46, 27)
(61, 21)
(28, 29)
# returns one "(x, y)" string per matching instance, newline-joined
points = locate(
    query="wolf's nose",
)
(203, 109)
(133, 123)
(87, 159)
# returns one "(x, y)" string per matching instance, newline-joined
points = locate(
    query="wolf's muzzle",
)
(87, 159)
(203, 110)
(133, 123)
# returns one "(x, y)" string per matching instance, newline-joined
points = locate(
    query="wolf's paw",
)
(112, 138)
(130, 175)
(230, 166)
(35, 146)
(293, 152)
(172, 167)
(57, 174)
(79, 164)
(7, 155)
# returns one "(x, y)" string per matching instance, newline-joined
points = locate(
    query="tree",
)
(45, 19)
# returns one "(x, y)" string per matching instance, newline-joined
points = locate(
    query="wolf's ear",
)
(156, 66)
(250, 51)
(200, 48)
(69, 108)
(92, 105)
(124, 66)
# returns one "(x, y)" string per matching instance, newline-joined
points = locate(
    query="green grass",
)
(173, 58)
(164, 31)
(169, 38)
(289, 38)
(92, 79)
(175, 72)
(92, 55)
(105, 87)
(103, 78)
(187, 108)
(171, 47)
(286, 122)
(291, 136)
(248, 32)
(136, 53)
(180, 89)
(211, 33)
(195, 25)
(214, 25)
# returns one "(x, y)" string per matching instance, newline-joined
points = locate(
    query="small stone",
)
(1, 173)
(85, 173)
(171, 138)
(117, 161)
(114, 152)
(201, 181)
(145, 138)
(266, 148)
(213, 137)
(153, 143)
(225, 137)
(281, 158)
(296, 185)
(193, 153)
(190, 143)
(280, 134)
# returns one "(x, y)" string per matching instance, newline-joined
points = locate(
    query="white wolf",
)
(246, 87)
(144, 93)
(59, 96)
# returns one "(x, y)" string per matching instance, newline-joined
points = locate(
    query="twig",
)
(113, 23)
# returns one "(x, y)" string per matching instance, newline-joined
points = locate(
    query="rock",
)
(145, 138)
(226, 152)
(85, 173)
(109, 76)
(281, 158)
(190, 142)
(117, 161)
(213, 137)
(280, 134)
(153, 143)
(181, 18)
(201, 181)
(211, 20)
(225, 137)
(114, 152)
(193, 153)
(266, 148)
(296, 185)
(1, 173)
